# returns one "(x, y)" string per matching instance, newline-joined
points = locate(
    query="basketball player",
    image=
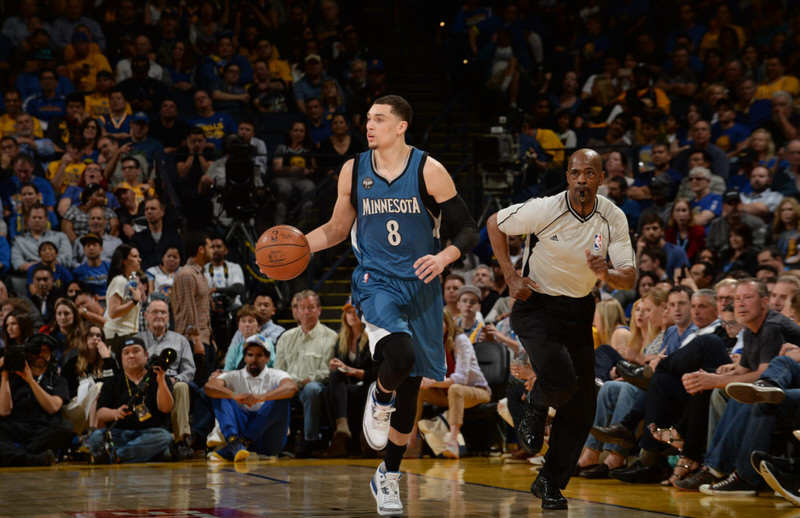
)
(391, 201)
(568, 238)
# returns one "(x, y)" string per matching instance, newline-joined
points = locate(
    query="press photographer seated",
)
(31, 396)
(135, 405)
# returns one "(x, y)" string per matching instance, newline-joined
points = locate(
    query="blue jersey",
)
(395, 224)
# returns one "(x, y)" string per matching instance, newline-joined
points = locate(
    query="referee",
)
(569, 236)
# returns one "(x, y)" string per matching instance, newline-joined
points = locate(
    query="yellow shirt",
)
(72, 174)
(93, 63)
(8, 127)
(280, 68)
(97, 105)
(141, 191)
(784, 83)
(551, 144)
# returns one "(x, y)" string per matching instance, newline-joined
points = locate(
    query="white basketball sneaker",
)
(385, 488)
(376, 420)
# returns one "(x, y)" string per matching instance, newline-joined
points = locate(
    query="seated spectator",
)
(252, 405)
(48, 257)
(681, 229)
(318, 126)
(717, 235)
(341, 145)
(122, 299)
(89, 307)
(739, 254)
(483, 279)
(133, 440)
(117, 123)
(653, 234)
(352, 371)
(97, 103)
(226, 93)
(28, 196)
(783, 126)
(142, 91)
(699, 158)
(776, 79)
(109, 159)
(705, 205)
(85, 367)
(24, 172)
(181, 66)
(215, 126)
(127, 68)
(93, 271)
(32, 428)
(168, 129)
(160, 277)
(156, 238)
(762, 201)
(463, 388)
(98, 223)
(85, 65)
(76, 219)
(142, 144)
(785, 232)
(17, 324)
(452, 283)
(653, 259)
(48, 103)
(42, 149)
(612, 328)
(310, 86)
(304, 352)
(215, 62)
(192, 162)
(618, 193)
(157, 337)
(469, 300)
(25, 251)
(248, 322)
(266, 310)
(701, 137)
(130, 214)
(293, 168)
(12, 98)
(726, 133)
(132, 178)
(62, 128)
(64, 26)
(247, 132)
(269, 93)
(67, 171)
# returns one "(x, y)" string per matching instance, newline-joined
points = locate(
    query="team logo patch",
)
(365, 278)
(598, 242)
(367, 183)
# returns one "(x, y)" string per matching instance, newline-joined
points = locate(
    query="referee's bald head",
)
(587, 155)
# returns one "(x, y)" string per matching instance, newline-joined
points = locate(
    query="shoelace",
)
(381, 414)
(391, 490)
(732, 479)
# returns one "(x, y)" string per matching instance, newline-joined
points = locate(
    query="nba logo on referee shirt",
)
(598, 242)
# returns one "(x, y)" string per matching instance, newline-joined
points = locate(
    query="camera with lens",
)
(220, 302)
(239, 196)
(164, 359)
(16, 356)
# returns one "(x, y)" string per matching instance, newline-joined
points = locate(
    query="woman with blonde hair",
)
(681, 229)
(785, 230)
(616, 397)
(352, 372)
(762, 143)
(611, 324)
(464, 387)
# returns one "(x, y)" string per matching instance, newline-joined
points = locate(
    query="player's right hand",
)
(521, 288)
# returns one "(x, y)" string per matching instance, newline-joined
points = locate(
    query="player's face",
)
(383, 126)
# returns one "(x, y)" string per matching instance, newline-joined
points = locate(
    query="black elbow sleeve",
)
(463, 227)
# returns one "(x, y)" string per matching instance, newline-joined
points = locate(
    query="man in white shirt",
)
(252, 404)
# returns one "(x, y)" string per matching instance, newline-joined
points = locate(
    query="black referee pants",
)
(557, 335)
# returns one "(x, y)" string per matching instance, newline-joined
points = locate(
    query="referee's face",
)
(584, 175)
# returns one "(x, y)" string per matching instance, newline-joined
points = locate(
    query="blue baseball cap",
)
(140, 117)
(260, 341)
(375, 64)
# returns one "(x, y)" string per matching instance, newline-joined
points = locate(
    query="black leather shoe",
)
(638, 473)
(531, 429)
(636, 375)
(615, 433)
(597, 471)
(551, 496)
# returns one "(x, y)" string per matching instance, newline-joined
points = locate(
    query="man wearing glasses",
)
(573, 233)
(706, 205)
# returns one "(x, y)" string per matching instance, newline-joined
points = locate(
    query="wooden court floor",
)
(472, 487)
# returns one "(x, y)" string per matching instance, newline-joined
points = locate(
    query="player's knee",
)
(397, 350)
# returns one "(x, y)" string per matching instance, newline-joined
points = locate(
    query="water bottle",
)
(133, 283)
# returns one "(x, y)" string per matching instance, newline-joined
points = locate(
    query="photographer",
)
(31, 396)
(138, 400)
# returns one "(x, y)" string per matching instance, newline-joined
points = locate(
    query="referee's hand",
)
(597, 264)
(521, 288)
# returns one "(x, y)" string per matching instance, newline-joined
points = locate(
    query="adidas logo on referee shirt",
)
(554, 238)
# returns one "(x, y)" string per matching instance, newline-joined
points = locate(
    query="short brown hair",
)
(249, 310)
(400, 106)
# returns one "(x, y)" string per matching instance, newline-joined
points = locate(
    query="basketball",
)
(282, 252)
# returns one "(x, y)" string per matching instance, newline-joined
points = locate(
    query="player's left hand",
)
(597, 264)
(428, 267)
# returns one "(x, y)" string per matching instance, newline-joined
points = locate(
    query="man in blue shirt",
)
(48, 103)
(618, 193)
(652, 234)
(310, 86)
(93, 272)
(706, 205)
(141, 142)
(216, 126)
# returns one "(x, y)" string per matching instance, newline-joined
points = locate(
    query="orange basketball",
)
(282, 252)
